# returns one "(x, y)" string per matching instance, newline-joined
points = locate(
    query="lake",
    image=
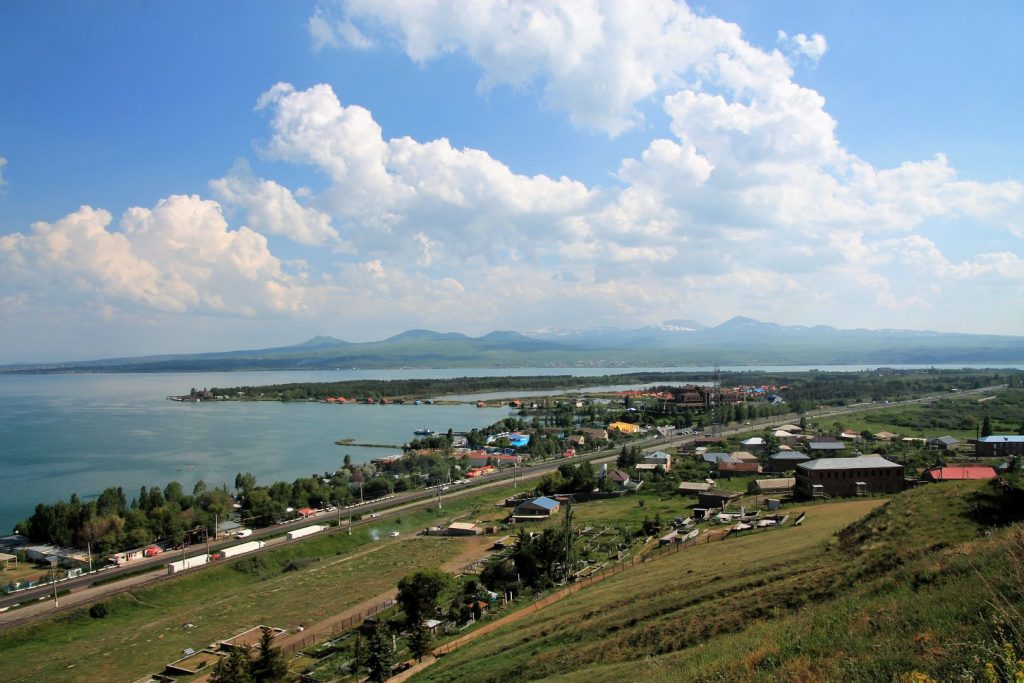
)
(64, 434)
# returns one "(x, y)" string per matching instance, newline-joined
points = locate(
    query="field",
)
(287, 587)
(774, 605)
(958, 417)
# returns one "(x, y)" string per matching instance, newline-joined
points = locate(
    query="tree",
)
(986, 426)
(380, 654)
(270, 664)
(499, 575)
(244, 483)
(419, 641)
(418, 594)
(235, 668)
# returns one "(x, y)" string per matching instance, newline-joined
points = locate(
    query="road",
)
(394, 505)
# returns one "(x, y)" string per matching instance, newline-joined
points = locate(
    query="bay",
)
(80, 433)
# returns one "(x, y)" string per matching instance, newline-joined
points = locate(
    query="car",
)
(394, 534)
(374, 514)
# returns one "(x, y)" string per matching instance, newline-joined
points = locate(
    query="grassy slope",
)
(891, 594)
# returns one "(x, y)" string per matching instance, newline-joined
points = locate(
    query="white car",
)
(394, 534)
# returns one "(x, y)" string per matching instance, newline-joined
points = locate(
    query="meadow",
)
(861, 591)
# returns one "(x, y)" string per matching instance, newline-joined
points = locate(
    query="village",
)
(664, 488)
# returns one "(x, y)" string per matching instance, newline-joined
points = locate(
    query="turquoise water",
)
(64, 434)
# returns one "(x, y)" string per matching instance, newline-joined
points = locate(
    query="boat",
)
(423, 431)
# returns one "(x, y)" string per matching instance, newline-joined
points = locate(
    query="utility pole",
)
(88, 549)
(53, 580)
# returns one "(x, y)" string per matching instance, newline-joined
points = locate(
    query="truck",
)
(243, 533)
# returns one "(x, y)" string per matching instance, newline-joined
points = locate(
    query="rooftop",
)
(544, 502)
(1002, 438)
(956, 472)
(862, 462)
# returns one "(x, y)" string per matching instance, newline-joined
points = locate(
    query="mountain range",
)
(738, 341)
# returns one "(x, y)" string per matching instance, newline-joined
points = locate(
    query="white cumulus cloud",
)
(813, 48)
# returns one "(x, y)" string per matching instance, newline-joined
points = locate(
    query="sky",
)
(194, 176)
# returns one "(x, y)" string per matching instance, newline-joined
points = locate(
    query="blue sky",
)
(198, 176)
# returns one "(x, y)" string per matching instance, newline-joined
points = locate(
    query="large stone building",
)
(999, 446)
(860, 476)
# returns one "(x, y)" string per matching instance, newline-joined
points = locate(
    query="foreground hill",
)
(739, 341)
(919, 585)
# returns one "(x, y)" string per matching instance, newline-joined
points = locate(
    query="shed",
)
(785, 461)
(782, 485)
(716, 498)
(228, 527)
(537, 508)
(7, 559)
(693, 488)
(817, 446)
(461, 529)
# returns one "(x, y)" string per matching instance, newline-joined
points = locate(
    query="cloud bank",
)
(747, 203)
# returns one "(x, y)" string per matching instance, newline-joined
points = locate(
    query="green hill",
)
(918, 585)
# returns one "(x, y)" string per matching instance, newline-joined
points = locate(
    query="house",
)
(943, 442)
(659, 458)
(714, 458)
(999, 446)
(780, 486)
(624, 428)
(731, 467)
(619, 477)
(716, 498)
(744, 456)
(857, 476)
(959, 472)
(784, 461)
(536, 508)
(595, 434)
(693, 488)
(461, 529)
(667, 431)
(575, 440)
(784, 437)
(569, 453)
(792, 429)
(850, 435)
(885, 436)
(754, 443)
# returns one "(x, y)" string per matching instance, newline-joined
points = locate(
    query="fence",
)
(335, 627)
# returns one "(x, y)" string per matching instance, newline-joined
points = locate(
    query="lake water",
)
(64, 434)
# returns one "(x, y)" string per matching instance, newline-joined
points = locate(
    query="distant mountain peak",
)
(321, 340)
(682, 325)
(504, 335)
(413, 335)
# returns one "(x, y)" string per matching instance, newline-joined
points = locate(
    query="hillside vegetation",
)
(918, 587)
